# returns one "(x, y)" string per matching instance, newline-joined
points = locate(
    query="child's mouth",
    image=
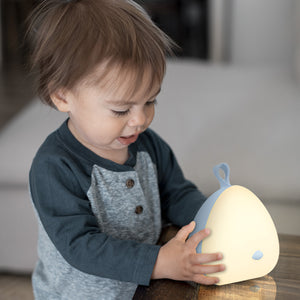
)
(127, 140)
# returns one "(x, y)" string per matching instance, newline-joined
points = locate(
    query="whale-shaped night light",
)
(241, 229)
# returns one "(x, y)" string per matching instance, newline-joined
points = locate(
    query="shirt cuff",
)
(145, 265)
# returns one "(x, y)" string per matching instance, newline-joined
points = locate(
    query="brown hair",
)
(70, 38)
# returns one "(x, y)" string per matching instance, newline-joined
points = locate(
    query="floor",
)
(16, 90)
(15, 286)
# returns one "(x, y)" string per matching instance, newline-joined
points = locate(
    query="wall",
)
(296, 32)
(262, 32)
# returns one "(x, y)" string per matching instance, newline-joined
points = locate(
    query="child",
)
(102, 183)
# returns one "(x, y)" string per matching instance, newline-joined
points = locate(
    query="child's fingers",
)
(194, 241)
(205, 280)
(207, 269)
(205, 258)
(184, 232)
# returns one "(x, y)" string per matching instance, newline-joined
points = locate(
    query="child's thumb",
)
(184, 232)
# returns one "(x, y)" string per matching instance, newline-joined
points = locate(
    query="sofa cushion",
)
(245, 116)
(20, 139)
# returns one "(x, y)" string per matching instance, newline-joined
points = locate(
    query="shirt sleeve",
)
(66, 215)
(180, 198)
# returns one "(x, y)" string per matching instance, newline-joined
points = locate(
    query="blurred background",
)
(232, 94)
(15, 83)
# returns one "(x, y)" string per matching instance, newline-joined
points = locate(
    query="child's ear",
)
(60, 100)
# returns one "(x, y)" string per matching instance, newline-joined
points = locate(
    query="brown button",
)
(139, 209)
(130, 183)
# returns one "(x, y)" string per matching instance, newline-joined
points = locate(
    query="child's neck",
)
(120, 157)
(117, 156)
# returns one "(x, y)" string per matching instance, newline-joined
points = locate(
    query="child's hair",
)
(70, 38)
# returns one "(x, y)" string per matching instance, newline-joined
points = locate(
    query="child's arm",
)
(59, 197)
(178, 259)
(180, 198)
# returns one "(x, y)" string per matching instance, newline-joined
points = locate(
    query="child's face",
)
(104, 120)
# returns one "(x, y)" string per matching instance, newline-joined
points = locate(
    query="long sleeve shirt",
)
(99, 221)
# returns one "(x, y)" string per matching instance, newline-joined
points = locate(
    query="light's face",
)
(105, 119)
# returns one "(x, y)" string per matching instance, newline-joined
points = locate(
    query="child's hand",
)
(179, 260)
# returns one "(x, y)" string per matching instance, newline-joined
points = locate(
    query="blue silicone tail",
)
(224, 182)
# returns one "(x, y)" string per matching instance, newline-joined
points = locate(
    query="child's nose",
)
(139, 119)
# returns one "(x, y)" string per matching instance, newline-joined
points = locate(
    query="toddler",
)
(102, 183)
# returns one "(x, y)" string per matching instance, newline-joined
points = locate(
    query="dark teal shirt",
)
(99, 221)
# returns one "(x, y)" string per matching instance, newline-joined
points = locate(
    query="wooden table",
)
(282, 283)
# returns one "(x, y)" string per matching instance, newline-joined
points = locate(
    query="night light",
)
(241, 229)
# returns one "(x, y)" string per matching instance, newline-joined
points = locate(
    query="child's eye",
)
(120, 113)
(154, 102)
(123, 113)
